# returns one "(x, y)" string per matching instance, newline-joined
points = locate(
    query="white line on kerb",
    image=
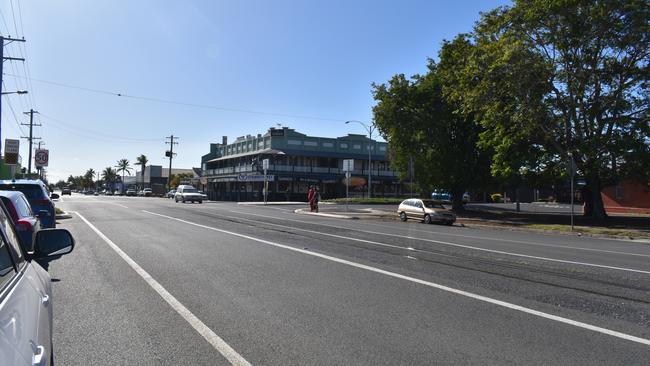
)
(490, 300)
(454, 245)
(217, 342)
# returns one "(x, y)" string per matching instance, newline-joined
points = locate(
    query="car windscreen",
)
(31, 191)
(190, 190)
(431, 204)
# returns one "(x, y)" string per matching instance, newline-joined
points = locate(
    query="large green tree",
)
(554, 80)
(424, 126)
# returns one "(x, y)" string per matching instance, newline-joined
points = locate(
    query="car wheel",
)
(200, 201)
(449, 223)
(427, 219)
(402, 216)
(184, 200)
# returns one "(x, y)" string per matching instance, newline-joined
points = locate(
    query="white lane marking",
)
(474, 237)
(462, 246)
(523, 242)
(217, 342)
(490, 300)
(116, 204)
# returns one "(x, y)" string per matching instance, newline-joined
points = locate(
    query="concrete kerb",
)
(273, 203)
(63, 215)
(303, 211)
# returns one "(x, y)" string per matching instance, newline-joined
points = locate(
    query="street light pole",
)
(369, 129)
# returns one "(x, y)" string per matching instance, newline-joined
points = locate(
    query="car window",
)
(10, 207)
(431, 204)
(12, 238)
(189, 190)
(418, 204)
(22, 208)
(7, 269)
(31, 191)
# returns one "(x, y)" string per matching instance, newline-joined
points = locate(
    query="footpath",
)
(615, 226)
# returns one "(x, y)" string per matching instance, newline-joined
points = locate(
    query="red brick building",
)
(627, 197)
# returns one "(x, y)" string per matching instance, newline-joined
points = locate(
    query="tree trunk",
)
(457, 200)
(593, 200)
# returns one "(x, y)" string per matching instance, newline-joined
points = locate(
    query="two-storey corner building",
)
(234, 172)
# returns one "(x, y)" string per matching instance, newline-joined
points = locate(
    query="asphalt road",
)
(155, 282)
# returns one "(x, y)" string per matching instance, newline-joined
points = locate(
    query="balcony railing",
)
(297, 169)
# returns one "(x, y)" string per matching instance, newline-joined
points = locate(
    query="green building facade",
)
(234, 172)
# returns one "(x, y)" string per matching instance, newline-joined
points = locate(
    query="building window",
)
(294, 142)
(356, 146)
(382, 148)
(311, 143)
(328, 144)
(343, 145)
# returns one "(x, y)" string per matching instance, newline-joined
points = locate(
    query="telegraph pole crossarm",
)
(7, 40)
(30, 138)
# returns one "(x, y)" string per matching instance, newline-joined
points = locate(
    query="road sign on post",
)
(12, 148)
(41, 158)
(348, 165)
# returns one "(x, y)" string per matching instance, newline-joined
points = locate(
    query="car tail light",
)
(24, 225)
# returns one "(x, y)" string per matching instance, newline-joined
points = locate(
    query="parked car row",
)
(28, 241)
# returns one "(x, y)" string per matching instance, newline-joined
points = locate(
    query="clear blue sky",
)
(285, 57)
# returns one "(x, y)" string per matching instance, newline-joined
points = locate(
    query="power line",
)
(13, 112)
(31, 95)
(168, 101)
(93, 132)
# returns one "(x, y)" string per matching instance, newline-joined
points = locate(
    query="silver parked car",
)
(427, 211)
(187, 193)
(26, 294)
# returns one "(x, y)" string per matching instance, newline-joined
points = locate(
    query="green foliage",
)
(422, 124)
(496, 197)
(177, 178)
(551, 77)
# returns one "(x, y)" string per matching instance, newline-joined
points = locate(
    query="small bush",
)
(496, 197)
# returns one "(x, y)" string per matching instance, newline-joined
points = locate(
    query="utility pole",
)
(170, 154)
(2, 61)
(31, 138)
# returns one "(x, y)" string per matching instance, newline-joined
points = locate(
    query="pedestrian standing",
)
(316, 199)
(310, 198)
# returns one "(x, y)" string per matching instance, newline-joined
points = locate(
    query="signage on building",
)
(348, 165)
(254, 178)
(12, 148)
(41, 158)
(265, 164)
(275, 132)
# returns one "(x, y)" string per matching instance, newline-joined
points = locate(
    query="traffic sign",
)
(348, 165)
(41, 158)
(12, 148)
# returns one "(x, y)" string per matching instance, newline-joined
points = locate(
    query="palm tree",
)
(123, 166)
(142, 160)
(110, 176)
(90, 174)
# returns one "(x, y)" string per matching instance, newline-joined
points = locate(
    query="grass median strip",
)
(590, 230)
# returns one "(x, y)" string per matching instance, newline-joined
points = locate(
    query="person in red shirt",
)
(310, 198)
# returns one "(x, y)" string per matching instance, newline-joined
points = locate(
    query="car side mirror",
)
(42, 213)
(52, 243)
(54, 196)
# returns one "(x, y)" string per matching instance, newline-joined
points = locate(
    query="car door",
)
(25, 312)
(418, 210)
